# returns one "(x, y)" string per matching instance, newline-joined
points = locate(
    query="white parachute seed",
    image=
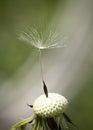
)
(50, 106)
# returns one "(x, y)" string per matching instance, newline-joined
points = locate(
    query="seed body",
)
(50, 106)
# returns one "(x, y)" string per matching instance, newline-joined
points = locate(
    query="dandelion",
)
(49, 108)
(49, 113)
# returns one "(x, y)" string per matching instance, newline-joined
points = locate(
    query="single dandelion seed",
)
(49, 108)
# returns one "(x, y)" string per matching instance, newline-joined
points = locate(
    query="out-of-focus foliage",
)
(82, 106)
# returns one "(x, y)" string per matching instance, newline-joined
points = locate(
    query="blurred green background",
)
(68, 71)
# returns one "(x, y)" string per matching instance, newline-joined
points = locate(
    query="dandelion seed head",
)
(52, 106)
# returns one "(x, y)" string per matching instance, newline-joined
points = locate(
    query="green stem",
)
(23, 122)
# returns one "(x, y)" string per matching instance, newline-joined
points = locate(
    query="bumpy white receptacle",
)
(50, 106)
